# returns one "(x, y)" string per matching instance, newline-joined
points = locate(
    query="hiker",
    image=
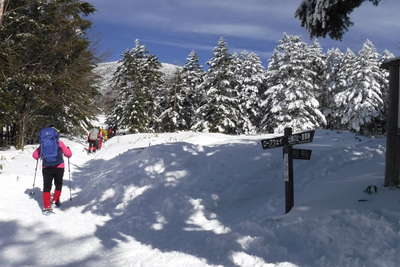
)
(51, 151)
(93, 139)
(100, 139)
(111, 132)
(104, 133)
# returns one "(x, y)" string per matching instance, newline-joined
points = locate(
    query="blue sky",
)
(170, 29)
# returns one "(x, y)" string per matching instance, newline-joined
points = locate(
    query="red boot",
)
(56, 198)
(46, 201)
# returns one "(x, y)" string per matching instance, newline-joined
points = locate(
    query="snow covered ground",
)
(191, 199)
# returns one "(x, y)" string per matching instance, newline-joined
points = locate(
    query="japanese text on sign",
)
(273, 142)
(301, 138)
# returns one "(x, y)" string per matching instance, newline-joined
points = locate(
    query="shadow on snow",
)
(157, 194)
(16, 250)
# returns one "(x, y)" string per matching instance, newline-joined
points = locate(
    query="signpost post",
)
(288, 170)
(289, 153)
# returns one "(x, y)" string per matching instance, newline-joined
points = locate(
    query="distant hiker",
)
(100, 139)
(104, 133)
(111, 132)
(93, 138)
(51, 151)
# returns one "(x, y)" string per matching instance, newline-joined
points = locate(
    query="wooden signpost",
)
(289, 153)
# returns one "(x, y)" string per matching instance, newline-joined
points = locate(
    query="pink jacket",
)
(65, 150)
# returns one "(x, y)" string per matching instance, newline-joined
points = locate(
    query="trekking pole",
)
(34, 178)
(69, 171)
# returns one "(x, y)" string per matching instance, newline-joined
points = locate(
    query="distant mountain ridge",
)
(106, 70)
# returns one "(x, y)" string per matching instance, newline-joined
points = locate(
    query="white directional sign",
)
(294, 139)
(301, 138)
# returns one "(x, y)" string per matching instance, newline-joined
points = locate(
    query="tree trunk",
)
(2, 9)
(20, 140)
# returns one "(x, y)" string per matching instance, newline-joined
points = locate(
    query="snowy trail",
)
(37, 240)
(190, 199)
(68, 237)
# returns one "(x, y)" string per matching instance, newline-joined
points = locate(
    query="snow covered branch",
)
(322, 17)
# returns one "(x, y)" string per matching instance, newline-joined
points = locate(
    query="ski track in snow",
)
(189, 199)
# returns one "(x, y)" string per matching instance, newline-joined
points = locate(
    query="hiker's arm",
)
(36, 153)
(66, 150)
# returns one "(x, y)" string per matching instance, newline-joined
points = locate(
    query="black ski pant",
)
(50, 174)
(92, 144)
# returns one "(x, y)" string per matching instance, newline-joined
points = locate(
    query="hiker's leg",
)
(58, 182)
(47, 181)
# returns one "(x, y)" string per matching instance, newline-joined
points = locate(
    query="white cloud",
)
(152, 19)
(236, 30)
(187, 45)
(254, 8)
(379, 21)
(257, 19)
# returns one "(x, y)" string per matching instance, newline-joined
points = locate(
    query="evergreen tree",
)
(173, 103)
(46, 65)
(192, 77)
(138, 80)
(322, 17)
(334, 65)
(344, 77)
(317, 64)
(290, 100)
(249, 81)
(361, 103)
(219, 112)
